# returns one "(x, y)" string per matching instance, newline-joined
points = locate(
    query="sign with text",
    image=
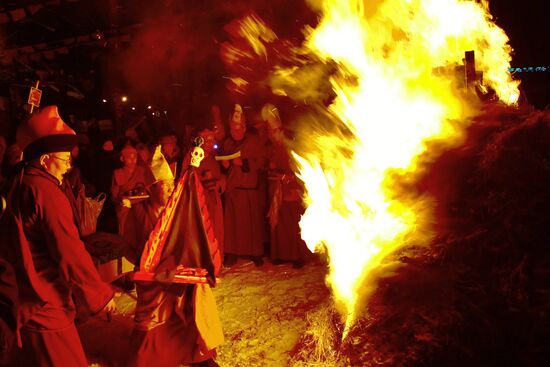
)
(34, 97)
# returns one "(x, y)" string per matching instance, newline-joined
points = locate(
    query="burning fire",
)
(399, 101)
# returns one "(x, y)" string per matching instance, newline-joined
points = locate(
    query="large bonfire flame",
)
(403, 101)
(399, 101)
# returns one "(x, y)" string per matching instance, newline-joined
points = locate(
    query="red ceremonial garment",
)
(178, 323)
(52, 269)
(243, 215)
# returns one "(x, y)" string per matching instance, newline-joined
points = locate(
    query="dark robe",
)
(8, 310)
(285, 193)
(263, 186)
(52, 269)
(141, 220)
(177, 323)
(243, 215)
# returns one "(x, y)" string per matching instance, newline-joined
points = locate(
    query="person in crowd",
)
(72, 184)
(144, 214)
(242, 213)
(53, 271)
(84, 159)
(132, 134)
(285, 194)
(13, 155)
(218, 128)
(105, 162)
(261, 129)
(144, 154)
(175, 323)
(128, 182)
(171, 151)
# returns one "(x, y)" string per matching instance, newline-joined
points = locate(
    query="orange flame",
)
(249, 37)
(399, 101)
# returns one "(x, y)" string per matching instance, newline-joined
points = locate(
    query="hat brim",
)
(50, 144)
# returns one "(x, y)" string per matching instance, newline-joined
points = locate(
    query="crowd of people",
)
(252, 202)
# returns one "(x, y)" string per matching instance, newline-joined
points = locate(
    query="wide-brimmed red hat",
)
(45, 132)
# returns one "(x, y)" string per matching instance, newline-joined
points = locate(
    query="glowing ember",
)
(399, 101)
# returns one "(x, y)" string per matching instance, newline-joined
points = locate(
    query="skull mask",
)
(197, 156)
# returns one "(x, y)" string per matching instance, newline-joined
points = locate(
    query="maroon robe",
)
(263, 186)
(122, 185)
(243, 215)
(52, 268)
(285, 193)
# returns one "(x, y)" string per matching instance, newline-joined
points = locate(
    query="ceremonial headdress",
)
(160, 167)
(45, 132)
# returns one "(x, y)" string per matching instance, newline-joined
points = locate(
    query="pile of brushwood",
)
(480, 294)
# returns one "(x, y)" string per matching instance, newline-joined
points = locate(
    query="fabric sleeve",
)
(114, 188)
(64, 244)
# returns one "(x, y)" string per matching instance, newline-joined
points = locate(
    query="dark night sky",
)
(526, 23)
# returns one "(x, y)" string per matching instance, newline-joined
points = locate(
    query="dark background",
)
(87, 51)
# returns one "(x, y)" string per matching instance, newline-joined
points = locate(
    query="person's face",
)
(237, 130)
(129, 158)
(108, 146)
(132, 134)
(144, 154)
(75, 152)
(276, 135)
(56, 164)
(14, 155)
(168, 150)
(236, 117)
(209, 142)
(161, 192)
(219, 131)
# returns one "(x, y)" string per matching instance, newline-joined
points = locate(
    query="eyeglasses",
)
(67, 161)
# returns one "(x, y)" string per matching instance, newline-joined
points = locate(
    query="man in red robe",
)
(285, 194)
(242, 213)
(144, 214)
(53, 271)
(128, 182)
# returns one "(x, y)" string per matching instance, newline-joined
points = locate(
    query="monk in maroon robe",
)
(285, 193)
(53, 271)
(128, 182)
(242, 213)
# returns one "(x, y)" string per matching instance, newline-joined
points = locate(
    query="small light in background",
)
(124, 99)
(133, 108)
(215, 146)
(98, 35)
(104, 100)
(149, 107)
